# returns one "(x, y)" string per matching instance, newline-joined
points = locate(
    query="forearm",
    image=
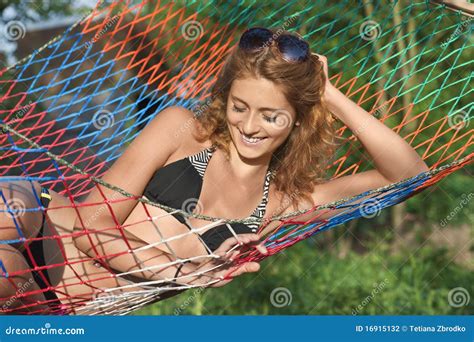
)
(104, 238)
(95, 226)
(153, 264)
(393, 157)
(100, 218)
(134, 255)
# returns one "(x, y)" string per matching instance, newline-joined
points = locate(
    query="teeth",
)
(251, 140)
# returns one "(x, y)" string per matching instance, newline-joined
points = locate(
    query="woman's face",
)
(258, 116)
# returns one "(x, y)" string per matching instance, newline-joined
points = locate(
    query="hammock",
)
(70, 109)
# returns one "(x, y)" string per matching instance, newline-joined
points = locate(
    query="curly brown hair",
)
(300, 162)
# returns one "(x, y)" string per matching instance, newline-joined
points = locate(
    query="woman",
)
(259, 148)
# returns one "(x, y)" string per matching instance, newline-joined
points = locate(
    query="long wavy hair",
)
(300, 162)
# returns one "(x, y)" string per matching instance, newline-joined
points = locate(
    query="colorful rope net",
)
(70, 109)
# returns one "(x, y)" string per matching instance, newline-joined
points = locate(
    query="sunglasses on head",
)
(292, 48)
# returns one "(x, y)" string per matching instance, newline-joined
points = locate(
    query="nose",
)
(250, 125)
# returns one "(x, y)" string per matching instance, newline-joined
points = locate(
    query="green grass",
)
(411, 282)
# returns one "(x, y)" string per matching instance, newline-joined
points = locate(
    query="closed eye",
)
(269, 118)
(237, 109)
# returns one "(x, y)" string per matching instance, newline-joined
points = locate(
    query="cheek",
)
(278, 134)
(232, 118)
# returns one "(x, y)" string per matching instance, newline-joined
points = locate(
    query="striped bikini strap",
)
(262, 207)
(201, 159)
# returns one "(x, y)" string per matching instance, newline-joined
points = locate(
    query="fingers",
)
(230, 243)
(262, 249)
(320, 57)
(248, 267)
(247, 238)
(229, 248)
(324, 62)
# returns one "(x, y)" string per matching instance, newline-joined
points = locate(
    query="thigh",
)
(73, 275)
(19, 293)
(20, 211)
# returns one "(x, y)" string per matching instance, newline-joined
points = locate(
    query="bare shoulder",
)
(177, 121)
(184, 129)
(174, 118)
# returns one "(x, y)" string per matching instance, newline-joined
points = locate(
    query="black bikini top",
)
(181, 181)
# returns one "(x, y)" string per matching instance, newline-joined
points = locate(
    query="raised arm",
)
(393, 157)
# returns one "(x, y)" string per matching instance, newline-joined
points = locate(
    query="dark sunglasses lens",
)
(255, 39)
(293, 48)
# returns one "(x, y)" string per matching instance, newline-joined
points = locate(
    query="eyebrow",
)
(261, 108)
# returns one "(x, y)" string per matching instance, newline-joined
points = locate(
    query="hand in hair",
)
(329, 88)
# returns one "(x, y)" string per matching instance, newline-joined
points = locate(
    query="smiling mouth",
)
(251, 140)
